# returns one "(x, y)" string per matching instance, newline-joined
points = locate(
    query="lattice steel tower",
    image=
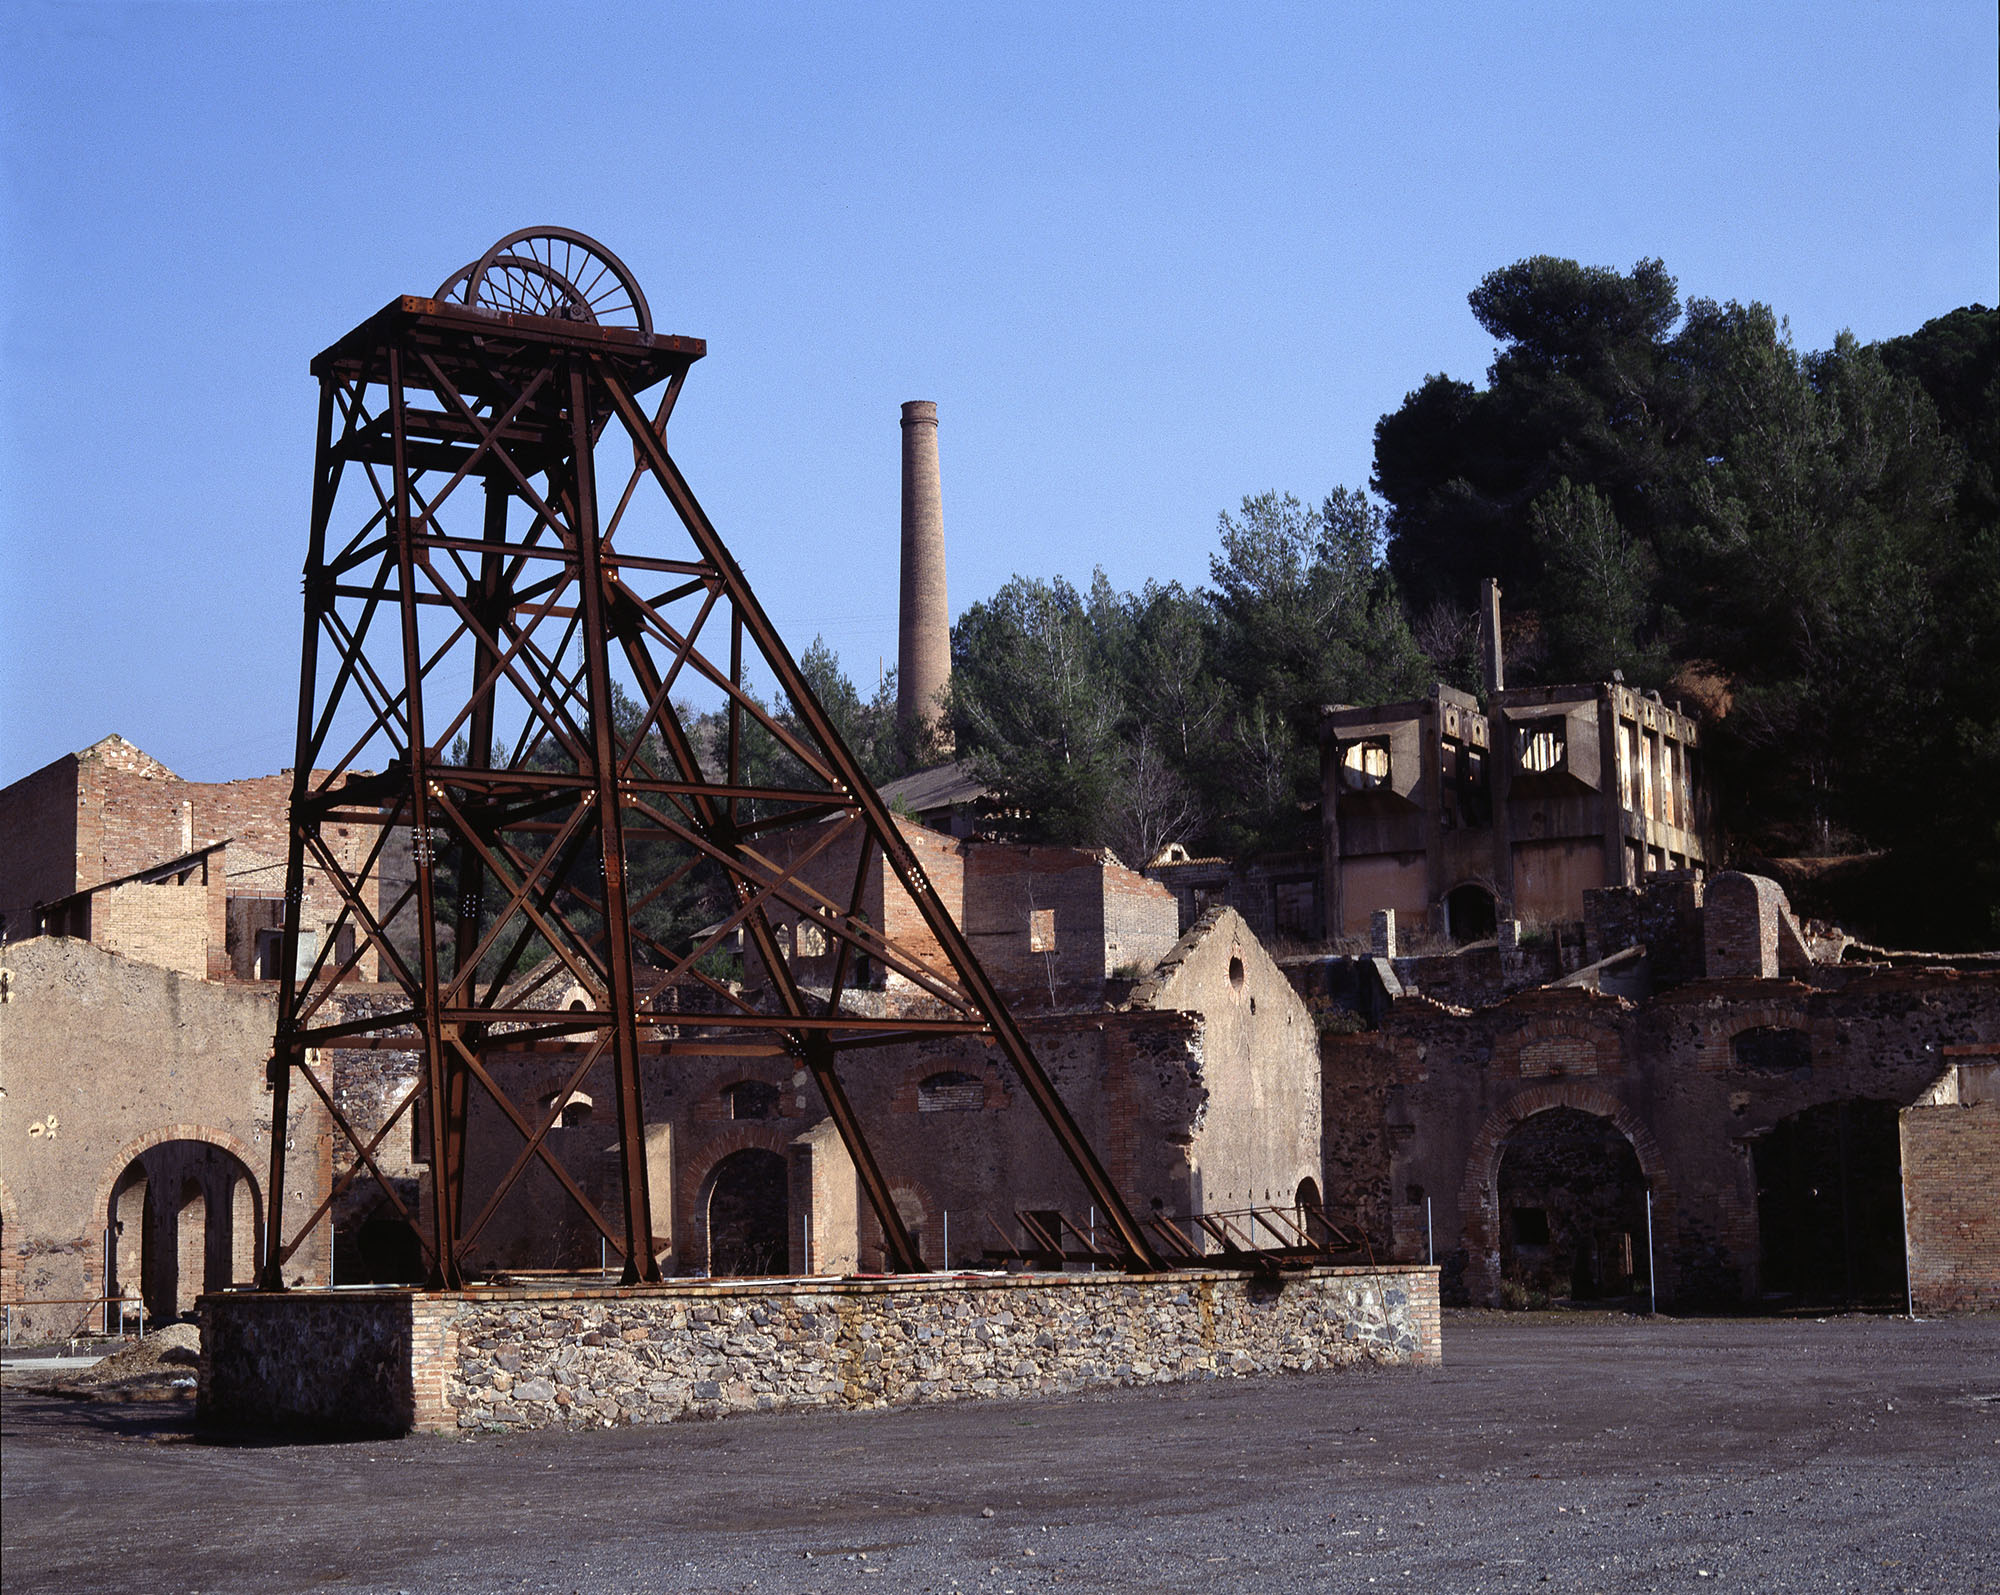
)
(504, 654)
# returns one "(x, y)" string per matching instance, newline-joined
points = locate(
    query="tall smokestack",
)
(923, 663)
(1492, 674)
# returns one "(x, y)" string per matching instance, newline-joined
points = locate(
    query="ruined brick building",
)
(138, 1001)
(1191, 1063)
(136, 1011)
(1630, 1075)
(1775, 1117)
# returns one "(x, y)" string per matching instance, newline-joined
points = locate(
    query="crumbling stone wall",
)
(1669, 1073)
(1134, 1082)
(539, 1358)
(1663, 914)
(1355, 1143)
(1749, 931)
(1203, 1094)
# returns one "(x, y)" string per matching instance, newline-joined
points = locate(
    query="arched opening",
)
(910, 1209)
(1830, 1206)
(1311, 1214)
(749, 1213)
(185, 1218)
(1572, 1205)
(1469, 914)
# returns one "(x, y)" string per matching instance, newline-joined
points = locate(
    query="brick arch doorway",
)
(1470, 913)
(1480, 1194)
(185, 1217)
(748, 1208)
(1572, 1205)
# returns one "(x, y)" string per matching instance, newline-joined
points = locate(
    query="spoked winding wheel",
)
(555, 273)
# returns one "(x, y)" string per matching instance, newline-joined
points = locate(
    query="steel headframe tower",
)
(473, 614)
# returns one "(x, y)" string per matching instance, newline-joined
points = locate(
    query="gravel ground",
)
(1552, 1452)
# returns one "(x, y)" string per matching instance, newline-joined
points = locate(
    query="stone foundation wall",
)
(539, 1358)
(329, 1361)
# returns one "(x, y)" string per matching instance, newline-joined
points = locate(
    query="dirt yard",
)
(1567, 1453)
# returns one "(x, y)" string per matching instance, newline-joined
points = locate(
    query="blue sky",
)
(1147, 259)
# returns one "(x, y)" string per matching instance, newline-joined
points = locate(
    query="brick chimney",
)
(923, 663)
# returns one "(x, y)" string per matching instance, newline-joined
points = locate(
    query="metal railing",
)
(1298, 1235)
(88, 1303)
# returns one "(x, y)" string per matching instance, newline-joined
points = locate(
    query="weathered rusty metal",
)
(467, 606)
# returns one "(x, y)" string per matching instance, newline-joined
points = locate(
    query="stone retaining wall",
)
(578, 1357)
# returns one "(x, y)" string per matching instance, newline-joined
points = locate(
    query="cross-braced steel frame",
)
(469, 613)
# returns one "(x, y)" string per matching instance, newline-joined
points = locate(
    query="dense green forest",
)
(1802, 547)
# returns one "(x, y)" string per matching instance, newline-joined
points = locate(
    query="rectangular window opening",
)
(1542, 746)
(1364, 766)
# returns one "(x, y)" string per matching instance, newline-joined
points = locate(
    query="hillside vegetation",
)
(1802, 547)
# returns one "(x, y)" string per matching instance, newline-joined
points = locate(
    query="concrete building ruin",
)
(1458, 813)
(1457, 818)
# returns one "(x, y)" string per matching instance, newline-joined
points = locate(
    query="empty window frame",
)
(1541, 746)
(751, 1099)
(1462, 799)
(1041, 930)
(1295, 906)
(1364, 766)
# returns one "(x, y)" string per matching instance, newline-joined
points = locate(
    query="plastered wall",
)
(125, 1057)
